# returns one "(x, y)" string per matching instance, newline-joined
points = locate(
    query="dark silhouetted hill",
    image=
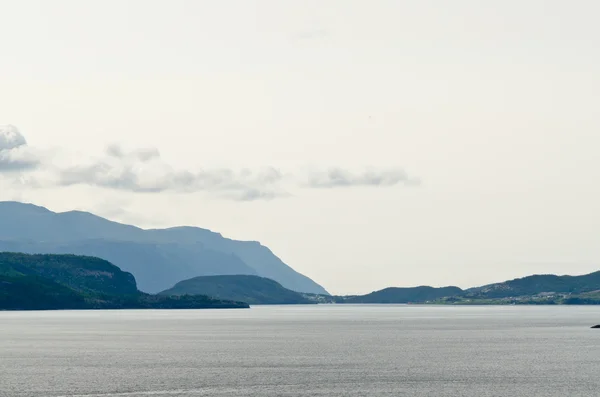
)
(403, 295)
(251, 289)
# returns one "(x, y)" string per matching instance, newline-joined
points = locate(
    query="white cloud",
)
(15, 155)
(337, 177)
(10, 138)
(143, 170)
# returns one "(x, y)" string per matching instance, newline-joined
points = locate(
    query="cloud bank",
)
(15, 155)
(143, 170)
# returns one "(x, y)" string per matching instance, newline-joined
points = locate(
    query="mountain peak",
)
(16, 205)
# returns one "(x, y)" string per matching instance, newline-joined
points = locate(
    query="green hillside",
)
(587, 298)
(43, 282)
(84, 273)
(251, 289)
(537, 284)
(37, 293)
(546, 289)
(402, 295)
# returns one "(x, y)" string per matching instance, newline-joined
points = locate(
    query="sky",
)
(367, 143)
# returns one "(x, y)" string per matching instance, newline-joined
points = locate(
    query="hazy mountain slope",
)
(29, 222)
(158, 258)
(251, 289)
(43, 282)
(156, 266)
(536, 284)
(257, 256)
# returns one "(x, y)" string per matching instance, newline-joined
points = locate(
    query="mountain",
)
(402, 295)
(251, 289)
(44, 282)
(156, 266)
(545, 289)
(537, 284)
(85, 274)
(535, 289)
(158, 258)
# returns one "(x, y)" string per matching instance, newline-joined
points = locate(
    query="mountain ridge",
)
(404, 294)
(537, 284)
(181, 252)
(532, 289)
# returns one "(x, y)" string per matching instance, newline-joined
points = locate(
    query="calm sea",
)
(326, 350)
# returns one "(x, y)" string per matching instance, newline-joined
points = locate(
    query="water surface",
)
(325, 350)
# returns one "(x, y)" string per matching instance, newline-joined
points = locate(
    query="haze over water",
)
(303, 351)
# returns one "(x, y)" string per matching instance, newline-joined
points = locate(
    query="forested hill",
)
(251, 289)
(401, 295)
(536, 284)
(42, 282)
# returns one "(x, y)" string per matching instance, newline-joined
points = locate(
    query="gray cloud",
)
(15, 155)
(143, 171)
(143, 155)
(10, 138)
(338, 177)
(254, 195)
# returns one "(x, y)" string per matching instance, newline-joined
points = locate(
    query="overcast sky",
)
(367, 143)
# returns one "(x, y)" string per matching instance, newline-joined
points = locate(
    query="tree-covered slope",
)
(80, 272)
(251, 289)
(36, 293)
(403, 295)
(537, 284)
(42, 282)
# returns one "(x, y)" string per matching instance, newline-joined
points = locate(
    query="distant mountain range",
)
(158, 258)
(402, 295)
(45, 282)
(263, 291)
(254, 290)
(42, 282)
(535, 289)
(536, 284)
(187, 260)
